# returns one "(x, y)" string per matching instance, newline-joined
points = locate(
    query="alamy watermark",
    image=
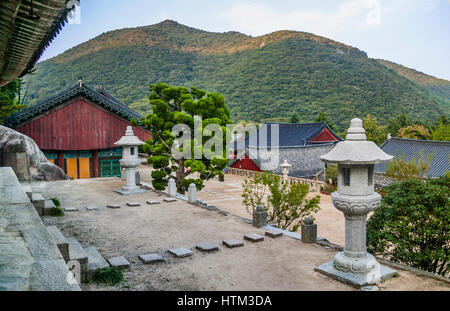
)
(74, 16)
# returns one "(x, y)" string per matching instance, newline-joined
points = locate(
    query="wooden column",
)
(95, 164)
(60, 160)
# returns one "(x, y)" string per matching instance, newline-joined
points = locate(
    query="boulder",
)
(26, 159)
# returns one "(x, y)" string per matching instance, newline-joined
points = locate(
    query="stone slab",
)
(113, 206)
(76, 251)
(153, 202)
(180, 252)
(48, 206)
(355, 279)
(254, 237)
(71, 209)
(41, 244)
(60, 240)
(133, 204)
(130, 192)
(95, 261)
(274, 234)
(233, 243)
(51, 275)
(119, 262)
(207, 247)
(151, 258)
(169, 200)
(91, 208)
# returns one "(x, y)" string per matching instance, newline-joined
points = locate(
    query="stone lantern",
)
(130, 161)
(356, 198)
(285, 170)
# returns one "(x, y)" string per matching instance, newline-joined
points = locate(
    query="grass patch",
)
(57, 212)
(110, 276)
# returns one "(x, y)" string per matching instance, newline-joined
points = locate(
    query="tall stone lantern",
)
(285, 170)
(130, 161)
(356, 198)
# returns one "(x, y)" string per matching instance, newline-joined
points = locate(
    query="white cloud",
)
(259, 19)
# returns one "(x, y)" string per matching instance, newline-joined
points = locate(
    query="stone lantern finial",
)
(355, 198)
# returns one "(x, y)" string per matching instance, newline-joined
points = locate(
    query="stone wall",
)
(29, 258)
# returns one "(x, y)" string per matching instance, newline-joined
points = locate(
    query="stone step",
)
(60, 240)
(95, 261)
(77, 253)
(48, 206)
(39, 203)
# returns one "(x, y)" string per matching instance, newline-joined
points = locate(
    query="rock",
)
(232, 243)
(207, 247)
(254, 238)
(26, 159)
(119, 262)
(180, 252)
(151, 258)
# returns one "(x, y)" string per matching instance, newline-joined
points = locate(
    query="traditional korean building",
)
(300, 144)
(77, 129)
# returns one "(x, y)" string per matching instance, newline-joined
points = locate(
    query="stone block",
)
(151, 258)
(133, 204)
(207, 247)
(71, 209)
(95, 261)
(233, 243)
(113, 206)
(51, 275)
(260, 217)
(172, 188)
(91, 208)
(169, 200)
(274, 234)
(48, 206)
(180, 252)
(77, 253)
(60, 240)
(254, 238)
(153, 202)
(119, 262)
(309, 231)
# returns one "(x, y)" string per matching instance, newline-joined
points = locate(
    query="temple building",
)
(300, 144)
(77, 129)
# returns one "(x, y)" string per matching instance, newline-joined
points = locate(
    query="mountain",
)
(261, 78)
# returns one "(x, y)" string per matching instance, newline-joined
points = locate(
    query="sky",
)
(413, 33)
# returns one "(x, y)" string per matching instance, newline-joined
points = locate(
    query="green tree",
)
(401, 169)
(374, 131)
(441, 132)
(322, 117)
(395, 124)
(415, 131)
(412, 225)
(179, 105)
(294, 118)
(286, 205)
(11, 99)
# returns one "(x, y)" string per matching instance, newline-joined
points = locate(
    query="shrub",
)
(56, 202)
(286, 205)
(412, 226)
(110, 276)
(57, 211)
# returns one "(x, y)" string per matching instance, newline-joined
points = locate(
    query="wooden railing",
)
(314, 185)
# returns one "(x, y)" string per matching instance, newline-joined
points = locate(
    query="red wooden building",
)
(77, 129)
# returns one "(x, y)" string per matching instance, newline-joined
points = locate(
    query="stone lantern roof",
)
(285, 165)
(129, 139)
(356, 149)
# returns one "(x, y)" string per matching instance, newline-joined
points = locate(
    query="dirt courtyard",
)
(275, 264)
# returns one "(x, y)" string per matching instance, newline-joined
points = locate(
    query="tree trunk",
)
(180, 176)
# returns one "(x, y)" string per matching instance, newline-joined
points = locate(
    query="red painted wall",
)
(246, 164)
(324, 135)
(81, 125)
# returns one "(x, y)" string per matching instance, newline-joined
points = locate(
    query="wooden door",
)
(72, 168)
(85, 168)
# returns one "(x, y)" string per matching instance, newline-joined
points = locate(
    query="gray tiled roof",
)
(411, 148)
(97, 95)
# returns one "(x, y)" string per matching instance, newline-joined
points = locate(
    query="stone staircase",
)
(88, 258)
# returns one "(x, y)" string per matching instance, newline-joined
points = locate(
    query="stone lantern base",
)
(373, 275)
(127, 191)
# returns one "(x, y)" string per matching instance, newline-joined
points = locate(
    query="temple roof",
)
(98, 95)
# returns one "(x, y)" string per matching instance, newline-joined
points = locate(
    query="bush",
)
(57, 212)
(412, 226)
(110, 276)
(56, 202)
